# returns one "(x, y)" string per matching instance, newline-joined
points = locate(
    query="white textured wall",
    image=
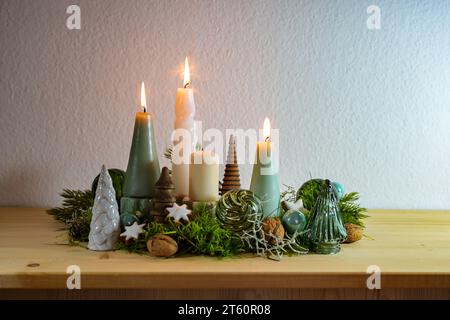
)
(367, 108)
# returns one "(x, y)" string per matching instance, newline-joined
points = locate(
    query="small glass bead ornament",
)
(339, 189)
(325, 230)
(128, 219)
(294, 221)
(236, 208)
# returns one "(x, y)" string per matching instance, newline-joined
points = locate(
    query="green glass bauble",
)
(294, 221)
(309, 191)
(325, 229)
(128, 219)
(237, 208)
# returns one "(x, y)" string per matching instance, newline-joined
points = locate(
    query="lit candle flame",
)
(266, 129)
(187, 76)
(143, 99)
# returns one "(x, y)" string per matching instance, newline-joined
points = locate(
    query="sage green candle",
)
(265, 183)
(143, 167)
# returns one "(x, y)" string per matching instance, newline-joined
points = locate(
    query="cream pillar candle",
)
(204, 176)
(184, 124)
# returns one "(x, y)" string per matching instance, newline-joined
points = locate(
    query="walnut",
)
(161, 245)
(354, 232)
(273, 230)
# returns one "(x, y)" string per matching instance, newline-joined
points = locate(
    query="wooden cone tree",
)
(231, 177)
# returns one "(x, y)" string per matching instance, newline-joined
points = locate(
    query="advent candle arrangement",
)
(143, 165)
(151, 201)
(265, 183)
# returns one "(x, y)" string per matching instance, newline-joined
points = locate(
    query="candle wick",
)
(267, 139)
(187, 85)
(145, 109)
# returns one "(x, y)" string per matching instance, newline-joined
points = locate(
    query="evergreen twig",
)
(75, 212)
(351, 210)
(74, 202)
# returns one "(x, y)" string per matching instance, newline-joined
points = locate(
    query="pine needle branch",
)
(74, 201)
(351, 210)
(75, 212)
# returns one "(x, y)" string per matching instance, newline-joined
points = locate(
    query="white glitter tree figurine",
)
(105, 223)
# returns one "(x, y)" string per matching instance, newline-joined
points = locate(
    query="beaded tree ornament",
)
(325, 229)
(231, 177)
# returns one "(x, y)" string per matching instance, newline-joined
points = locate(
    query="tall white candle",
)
(184, 120)
(204, 176)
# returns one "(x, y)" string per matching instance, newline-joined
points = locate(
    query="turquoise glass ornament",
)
(127, 219)
(294, 221)
(325, 230)
(339, 189)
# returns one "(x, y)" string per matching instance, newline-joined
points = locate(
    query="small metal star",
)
(133, 231)
(179, 212)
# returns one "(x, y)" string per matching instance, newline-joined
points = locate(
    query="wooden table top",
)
(411, 248)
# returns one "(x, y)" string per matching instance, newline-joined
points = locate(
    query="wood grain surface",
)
(411, 248)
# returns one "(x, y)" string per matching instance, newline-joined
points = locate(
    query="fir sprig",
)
(351, 210)
(79, 226)
(74, 202)
(75, 212)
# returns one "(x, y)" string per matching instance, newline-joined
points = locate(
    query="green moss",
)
(309, 192)
(203, 235)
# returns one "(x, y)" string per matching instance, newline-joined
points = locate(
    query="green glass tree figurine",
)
(325, 228)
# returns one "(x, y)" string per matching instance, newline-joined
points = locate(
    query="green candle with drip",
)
(143, 166)
(265, 182)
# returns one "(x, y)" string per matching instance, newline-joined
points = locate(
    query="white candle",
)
(184, 120)
(204, 176)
